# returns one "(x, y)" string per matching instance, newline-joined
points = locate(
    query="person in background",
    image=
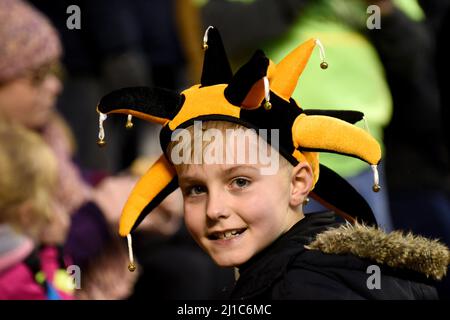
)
(33, 226)
(417, 154)
(30, 53)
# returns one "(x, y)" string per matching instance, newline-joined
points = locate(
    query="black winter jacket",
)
(321, 259)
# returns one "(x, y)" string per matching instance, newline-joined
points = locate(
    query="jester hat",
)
(257, 96)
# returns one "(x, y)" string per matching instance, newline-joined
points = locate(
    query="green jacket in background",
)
(354, 79)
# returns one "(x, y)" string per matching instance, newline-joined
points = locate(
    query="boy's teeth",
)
(229, 234)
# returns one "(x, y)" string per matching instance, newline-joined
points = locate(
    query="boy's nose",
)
(216, 208)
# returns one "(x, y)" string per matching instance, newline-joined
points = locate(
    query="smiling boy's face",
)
(233, 211)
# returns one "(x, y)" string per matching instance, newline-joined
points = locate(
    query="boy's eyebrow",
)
(190, 179)
(231, 170)
(187, 180)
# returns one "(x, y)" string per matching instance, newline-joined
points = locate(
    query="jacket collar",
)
(264, 268)
(395, 249)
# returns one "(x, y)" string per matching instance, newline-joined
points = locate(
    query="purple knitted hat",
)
(27, 39)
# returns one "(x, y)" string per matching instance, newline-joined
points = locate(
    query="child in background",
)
(32, 224)
(30, 82)
(245, 156)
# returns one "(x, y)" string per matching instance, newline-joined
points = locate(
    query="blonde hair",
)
(222, 126)
(28, 173)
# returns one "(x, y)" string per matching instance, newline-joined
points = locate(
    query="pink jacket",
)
(17, 279)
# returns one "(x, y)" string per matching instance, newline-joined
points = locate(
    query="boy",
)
(243, 202)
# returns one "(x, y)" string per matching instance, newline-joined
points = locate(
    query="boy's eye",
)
(240, 183)
(195, 190)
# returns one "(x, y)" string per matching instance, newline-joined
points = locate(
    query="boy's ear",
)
(301, 183)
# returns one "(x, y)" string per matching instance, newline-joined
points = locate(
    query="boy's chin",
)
(229, 262)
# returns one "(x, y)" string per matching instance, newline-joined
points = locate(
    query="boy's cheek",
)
(193, 222)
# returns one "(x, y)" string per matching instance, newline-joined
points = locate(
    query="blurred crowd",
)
(61, 196)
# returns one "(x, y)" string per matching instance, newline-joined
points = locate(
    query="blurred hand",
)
(111, 195)
(165, 219)
(113, 192)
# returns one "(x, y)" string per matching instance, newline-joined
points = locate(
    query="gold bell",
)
(324, 65)
(376, 188)
(101, 133)
(101, 142)
(131, 267)
(205, 46)
(129, 125)
(267, 105)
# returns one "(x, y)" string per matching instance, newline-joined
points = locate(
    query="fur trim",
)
(395, 249)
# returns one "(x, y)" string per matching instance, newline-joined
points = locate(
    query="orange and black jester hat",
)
(257, 96)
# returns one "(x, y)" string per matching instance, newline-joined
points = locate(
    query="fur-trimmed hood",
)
(336, 264)
(395, 249)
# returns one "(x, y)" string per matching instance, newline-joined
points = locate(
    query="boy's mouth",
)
(225, 235)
